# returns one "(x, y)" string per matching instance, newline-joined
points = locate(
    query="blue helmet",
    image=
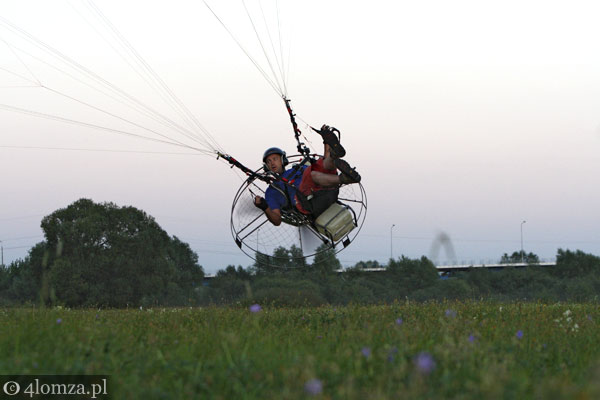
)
(275, 150)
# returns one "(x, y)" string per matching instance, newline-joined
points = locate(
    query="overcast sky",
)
(463, 117)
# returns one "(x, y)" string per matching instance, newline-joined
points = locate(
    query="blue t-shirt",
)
(275, 199)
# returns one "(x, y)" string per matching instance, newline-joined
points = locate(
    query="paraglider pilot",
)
(310, 189)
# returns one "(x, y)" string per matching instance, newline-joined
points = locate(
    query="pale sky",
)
(463, 117)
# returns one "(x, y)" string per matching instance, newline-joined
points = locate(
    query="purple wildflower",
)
(313, 387)
(366, 351)
(399, 321)
(519, 334)
(392, 354)
(450, 313)
(589, 317)
(59, 321)
(424, 363)
(255, 308)
(471, 338)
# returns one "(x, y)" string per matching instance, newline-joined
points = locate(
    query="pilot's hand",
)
(259, 202)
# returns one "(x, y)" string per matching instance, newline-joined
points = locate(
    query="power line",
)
(484, 240)
(17, 247)
(22, 238)
(97, 150)
(22, 217)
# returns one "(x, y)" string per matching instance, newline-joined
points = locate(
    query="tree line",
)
(576, 277)
(102, 255)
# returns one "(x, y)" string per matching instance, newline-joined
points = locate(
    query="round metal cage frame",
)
(258, 238)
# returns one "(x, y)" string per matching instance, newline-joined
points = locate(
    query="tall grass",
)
(466, 350)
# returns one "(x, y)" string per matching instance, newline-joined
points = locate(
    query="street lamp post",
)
(522, 252)
(391, 243)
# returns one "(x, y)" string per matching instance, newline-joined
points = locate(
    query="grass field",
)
(473, 350)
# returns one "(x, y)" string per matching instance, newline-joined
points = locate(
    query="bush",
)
(449, 289)
(581, 290)
(287, 292)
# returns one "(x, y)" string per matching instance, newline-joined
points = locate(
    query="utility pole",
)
(391, 243)
(522, 252)
(1, 254)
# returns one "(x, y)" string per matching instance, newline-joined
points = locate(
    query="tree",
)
(367, 264)
(231, 273)
(282, 260)
(262, 263)
(230, 284)
(571, 264)
(518, 257)
(188, 274)
(413, 274)
(326, 260)
(28, 278)
(297, 259)
(102, 254)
